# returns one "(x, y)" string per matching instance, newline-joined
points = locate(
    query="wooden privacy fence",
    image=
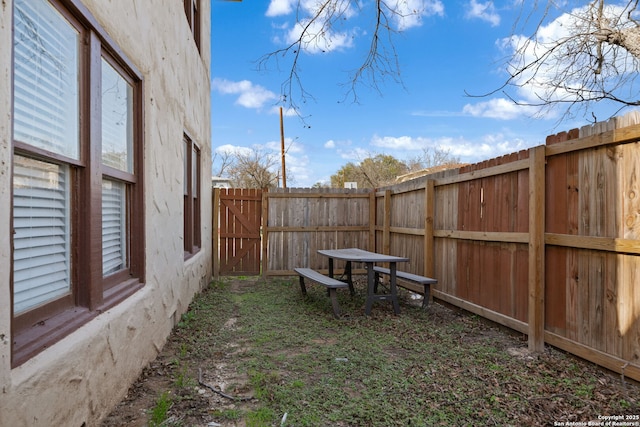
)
(545, 241)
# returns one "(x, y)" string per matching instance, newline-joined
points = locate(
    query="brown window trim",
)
(46, 332)
(42, 333)
(192, 11)
(192, 206)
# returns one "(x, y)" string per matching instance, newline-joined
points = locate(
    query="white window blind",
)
(42, 235)
(45, 79)
(114, 226)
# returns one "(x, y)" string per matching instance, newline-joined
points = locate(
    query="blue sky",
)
(450, 48)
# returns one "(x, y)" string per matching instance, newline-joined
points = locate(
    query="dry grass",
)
(298, 366)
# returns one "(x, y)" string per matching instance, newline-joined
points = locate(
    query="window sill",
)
(116, 294)
(194, 252)
(44, 334)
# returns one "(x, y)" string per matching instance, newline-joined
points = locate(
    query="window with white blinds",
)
(114, 227)
(46, 103)
(78, 221)
(42, 235)
(117, 152)
(46, 83)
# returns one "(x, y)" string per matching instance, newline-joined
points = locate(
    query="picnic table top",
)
(360, 255)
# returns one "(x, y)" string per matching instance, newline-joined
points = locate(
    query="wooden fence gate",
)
(239, 213)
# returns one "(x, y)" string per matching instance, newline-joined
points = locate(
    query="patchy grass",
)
(158, 414)
(301, 367)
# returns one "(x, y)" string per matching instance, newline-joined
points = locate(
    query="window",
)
(77, 190)
(192, 235)
(192, 11)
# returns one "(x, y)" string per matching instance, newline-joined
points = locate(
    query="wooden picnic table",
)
(369, 258)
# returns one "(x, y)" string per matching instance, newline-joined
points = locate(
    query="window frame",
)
(91, 291)
(192, 11)
(192, 197)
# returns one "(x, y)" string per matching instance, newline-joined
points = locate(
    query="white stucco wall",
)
(79, 379)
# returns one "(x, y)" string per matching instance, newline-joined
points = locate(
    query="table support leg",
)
(370, 288)
(394, 289)
(349, 278)
(334, 302)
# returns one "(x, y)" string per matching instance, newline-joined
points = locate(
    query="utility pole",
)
(284, 173)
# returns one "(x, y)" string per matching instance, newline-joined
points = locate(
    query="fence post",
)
(264, 238)
(429, 207)
(372, 220)
(215, 234)
(386, 233)
(536, 247)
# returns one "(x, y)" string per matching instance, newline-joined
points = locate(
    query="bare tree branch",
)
(315, 36)
(596, 58)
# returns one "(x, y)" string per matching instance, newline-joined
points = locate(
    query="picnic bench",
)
(426, 282)
(331, 284)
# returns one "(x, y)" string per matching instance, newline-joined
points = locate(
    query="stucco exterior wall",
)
(78, 380)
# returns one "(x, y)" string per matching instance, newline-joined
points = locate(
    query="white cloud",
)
(249, 95)
(495, 108)
(330, 144)
(296, 161)
(317, 39)
(286, 112)
(291, 146)
(469, 151)
(484, 11)
(232, 149)
(486, 147)
(498, 108)
(400, 142)
(562, 68)
(409, 13)
(297, 164)
(355, 155)
(280, 7)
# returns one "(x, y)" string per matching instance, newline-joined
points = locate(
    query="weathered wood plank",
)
(630, 180)
(608, 244)
(482, 173)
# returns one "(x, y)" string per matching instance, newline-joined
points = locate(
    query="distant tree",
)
(431, 157)
(383, 169)
(593, 55)
(253, 168)
(372, 172)
(321, 185)
(221, 160)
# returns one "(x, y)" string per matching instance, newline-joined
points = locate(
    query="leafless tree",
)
(254, 168)
(431, 157)
(221, 160)
(591, 55)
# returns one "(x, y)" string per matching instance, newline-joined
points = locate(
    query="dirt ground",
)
(222, 388)
(160, 376)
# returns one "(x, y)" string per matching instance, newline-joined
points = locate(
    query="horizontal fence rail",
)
(545, 241)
